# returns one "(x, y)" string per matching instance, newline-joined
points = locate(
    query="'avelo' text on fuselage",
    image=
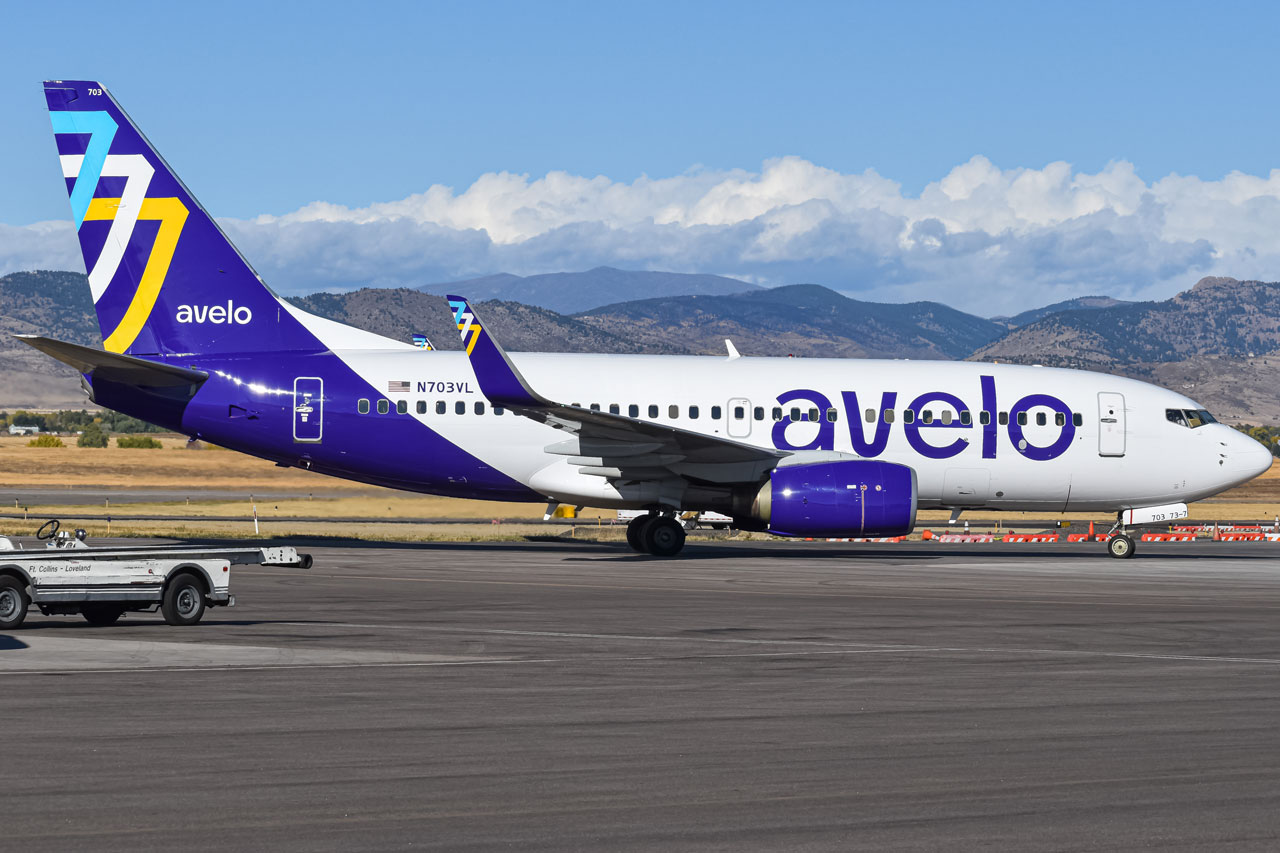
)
(870, 439)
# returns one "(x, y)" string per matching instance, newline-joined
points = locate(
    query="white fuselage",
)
(1090, 441)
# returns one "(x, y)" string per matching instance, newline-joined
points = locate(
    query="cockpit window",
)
(1189, 418)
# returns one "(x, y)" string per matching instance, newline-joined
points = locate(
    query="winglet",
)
(499, 380)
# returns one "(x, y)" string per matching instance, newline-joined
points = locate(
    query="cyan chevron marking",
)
(102, 130)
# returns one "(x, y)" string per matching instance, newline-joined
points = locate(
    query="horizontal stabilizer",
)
(124, 369)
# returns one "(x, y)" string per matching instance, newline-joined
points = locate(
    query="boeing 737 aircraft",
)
(196, 342)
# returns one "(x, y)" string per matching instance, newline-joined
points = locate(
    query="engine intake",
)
(839, 499)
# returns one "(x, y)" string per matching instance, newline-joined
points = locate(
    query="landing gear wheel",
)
(183, 602)
(13, 602)
(102, 614)
(635, 532)
(663, 537)
(1120, 546)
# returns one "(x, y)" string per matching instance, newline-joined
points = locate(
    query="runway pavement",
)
(578, 697)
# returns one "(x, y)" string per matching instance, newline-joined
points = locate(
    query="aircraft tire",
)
(13, 602)
(663, 537)
(1120, 546)
(102, 614)
(183, 602)
(635, 532)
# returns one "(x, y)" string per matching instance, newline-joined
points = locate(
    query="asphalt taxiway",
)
(578, 697)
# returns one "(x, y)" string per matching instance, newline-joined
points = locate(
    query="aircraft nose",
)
(1247, 457)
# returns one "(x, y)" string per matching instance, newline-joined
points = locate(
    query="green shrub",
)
(93, 436)
(138, 442)
(45, 441)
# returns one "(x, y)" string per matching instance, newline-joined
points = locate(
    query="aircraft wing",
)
(603, 444)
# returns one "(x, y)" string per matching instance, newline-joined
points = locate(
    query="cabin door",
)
(1110, 424)
(739, 417)
(308, 409)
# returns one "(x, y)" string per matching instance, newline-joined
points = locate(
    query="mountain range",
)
(1216, 342)
(798, 319)
(567, 292)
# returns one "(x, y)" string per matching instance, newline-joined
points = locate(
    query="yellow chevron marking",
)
(475, 334)
(172, 214)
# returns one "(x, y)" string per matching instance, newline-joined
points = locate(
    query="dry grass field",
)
(316, 505)
(173, 467)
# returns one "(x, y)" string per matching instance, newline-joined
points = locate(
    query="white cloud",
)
(984, 239)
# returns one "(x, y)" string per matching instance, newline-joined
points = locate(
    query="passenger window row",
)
(794, 414)
(441, 407)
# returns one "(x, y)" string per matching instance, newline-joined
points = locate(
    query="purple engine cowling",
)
(850, 498)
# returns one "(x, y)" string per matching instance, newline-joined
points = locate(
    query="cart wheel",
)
(102, 614)
(183, 602)
(13, 602)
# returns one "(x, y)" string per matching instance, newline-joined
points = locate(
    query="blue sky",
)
(265, 108)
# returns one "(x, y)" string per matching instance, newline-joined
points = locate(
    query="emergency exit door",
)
(1110, 424)
(308, 409)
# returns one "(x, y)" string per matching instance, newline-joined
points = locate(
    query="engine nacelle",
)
(855, 497)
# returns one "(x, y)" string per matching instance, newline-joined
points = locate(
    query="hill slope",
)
(43, 303)
(1217, 317)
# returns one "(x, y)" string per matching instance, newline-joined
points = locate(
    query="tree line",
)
(72, 421)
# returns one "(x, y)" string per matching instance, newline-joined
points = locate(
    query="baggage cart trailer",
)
(68, 576)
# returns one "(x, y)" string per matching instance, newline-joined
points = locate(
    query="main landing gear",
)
(659, 535)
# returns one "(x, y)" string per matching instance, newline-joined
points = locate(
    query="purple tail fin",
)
(165, 279)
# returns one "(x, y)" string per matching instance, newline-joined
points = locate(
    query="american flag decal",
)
(394, 387)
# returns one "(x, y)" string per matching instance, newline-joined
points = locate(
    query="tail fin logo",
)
(87, 170)
(467, 323)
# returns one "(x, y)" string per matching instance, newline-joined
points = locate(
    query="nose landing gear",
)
(1119, 543)
(1120, 546)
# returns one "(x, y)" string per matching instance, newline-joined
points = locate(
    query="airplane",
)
(195, 341)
